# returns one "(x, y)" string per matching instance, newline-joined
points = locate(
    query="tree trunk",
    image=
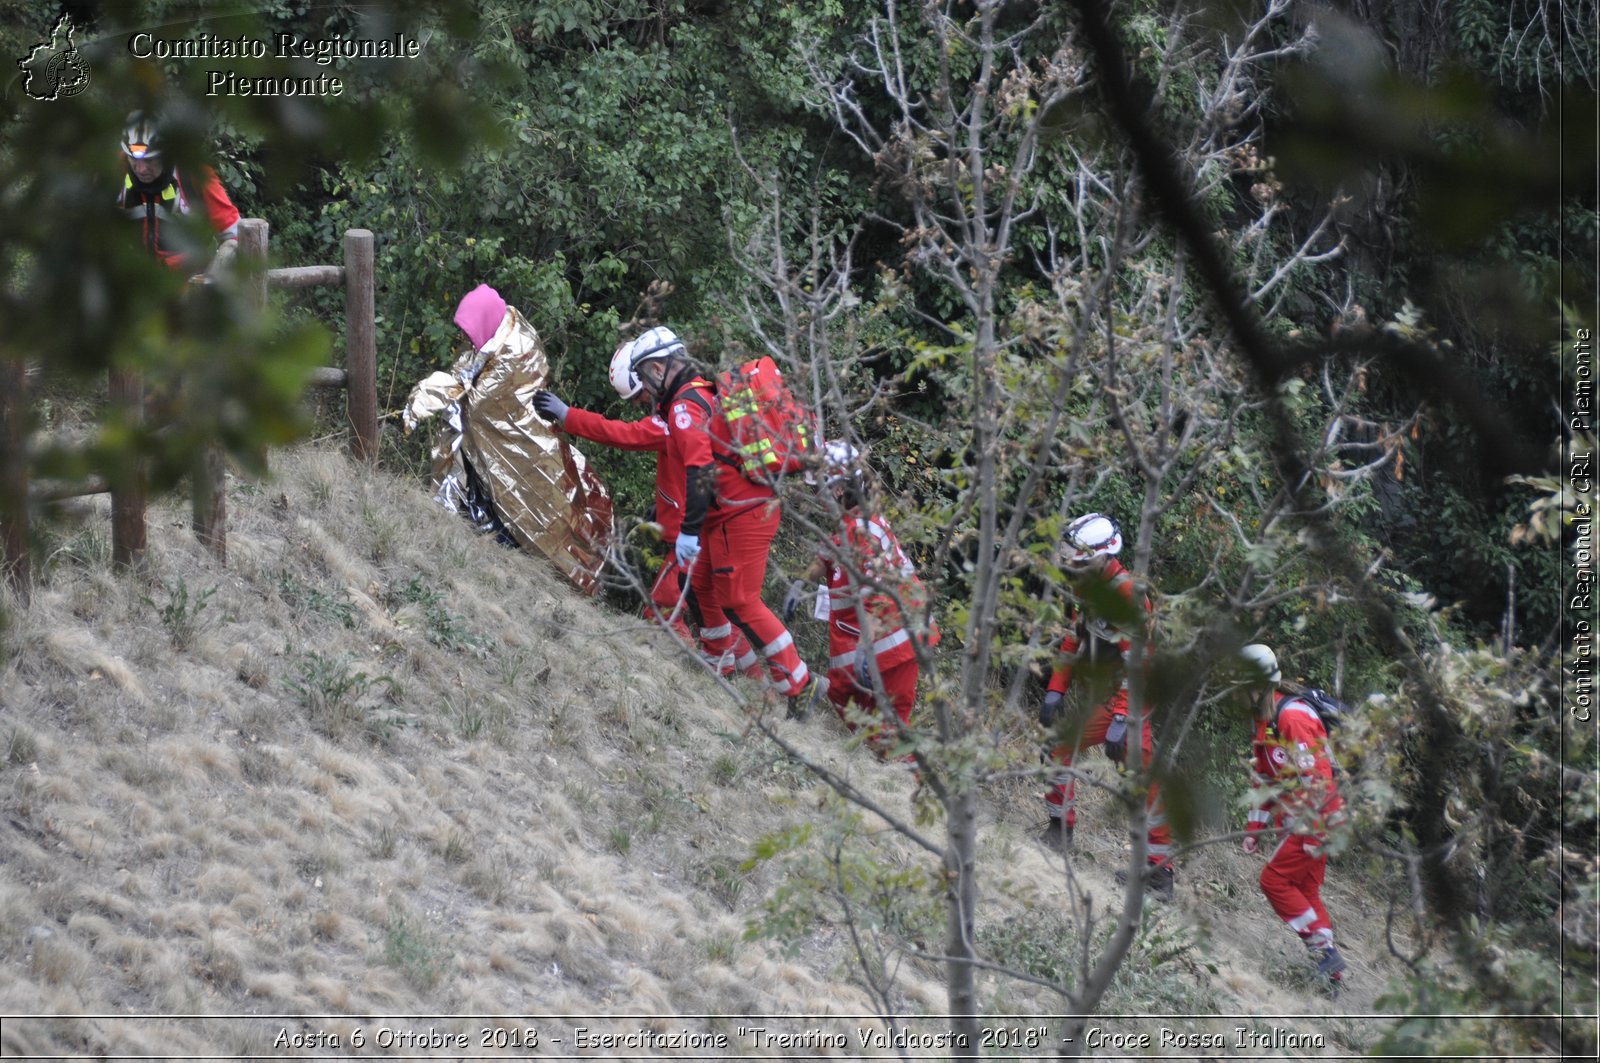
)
(961, 810)
(961, 878)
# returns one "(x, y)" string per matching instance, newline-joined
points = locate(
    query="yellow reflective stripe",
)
(740, 404)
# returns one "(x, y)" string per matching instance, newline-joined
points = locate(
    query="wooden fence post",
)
(250, 267)
(252, 263)
(210, 473)
(210, 477)
(14, 474)
(126, 392)
(361, 342)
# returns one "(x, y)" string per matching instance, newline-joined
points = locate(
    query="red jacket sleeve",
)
(221, 212)
(1061, 674)
(650, 433)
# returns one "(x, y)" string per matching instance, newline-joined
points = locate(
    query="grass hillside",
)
(376, 772)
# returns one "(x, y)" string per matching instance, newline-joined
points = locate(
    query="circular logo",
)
(67, 74)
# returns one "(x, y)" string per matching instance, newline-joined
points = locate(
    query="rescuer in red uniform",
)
(1096, 650)
(670, 594)
(157, 196)
(729, 520)
(872, 648)
(1300, 799)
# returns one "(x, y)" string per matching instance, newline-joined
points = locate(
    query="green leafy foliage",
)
(1434, 992)
(334, 694)
(180, 613)
(442, 627)
(312, 600)
(832, 876)
(414, 950)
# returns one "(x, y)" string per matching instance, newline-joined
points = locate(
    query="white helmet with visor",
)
(140, 137)
(1090, 536)
(659, 342)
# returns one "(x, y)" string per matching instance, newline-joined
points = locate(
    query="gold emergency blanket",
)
(539, 485)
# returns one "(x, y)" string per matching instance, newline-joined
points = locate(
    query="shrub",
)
(180, 614)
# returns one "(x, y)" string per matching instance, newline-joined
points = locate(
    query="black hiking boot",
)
(1160, 879)
(1056, 835)
(1330, 967)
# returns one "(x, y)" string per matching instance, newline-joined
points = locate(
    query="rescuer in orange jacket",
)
(871, 646)
(728, 520)
(1097, 650)
(1299, 799)
(157, 196)
(670, 594)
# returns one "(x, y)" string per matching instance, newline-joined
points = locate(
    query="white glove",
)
(792, 600)
(687, 548)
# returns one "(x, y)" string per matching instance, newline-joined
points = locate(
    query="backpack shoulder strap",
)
(699, 400)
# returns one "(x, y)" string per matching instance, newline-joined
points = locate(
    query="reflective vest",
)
(1095, 641)
(866, 552)
(159, 208)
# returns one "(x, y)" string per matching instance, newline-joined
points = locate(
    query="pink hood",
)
(480, 313)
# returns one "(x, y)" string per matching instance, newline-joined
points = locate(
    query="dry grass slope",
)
(377, 766)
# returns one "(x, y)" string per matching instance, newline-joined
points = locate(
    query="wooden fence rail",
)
(359, 378)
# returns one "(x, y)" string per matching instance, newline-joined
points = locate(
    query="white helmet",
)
(140, 137)
(1261, 662)
(623, 378)
(840, 461)
(659, 342)
(1091, 535)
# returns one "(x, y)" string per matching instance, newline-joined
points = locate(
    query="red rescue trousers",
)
(1292, 881)
(727, 579)
(899, 682)
(732, 652)
(668, 600)
(1061, 798)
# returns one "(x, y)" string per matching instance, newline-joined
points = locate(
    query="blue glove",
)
(1116, 743)
(687, 548)
(1050, 709)
(863, 670)
(792, 600)
(550, 407)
